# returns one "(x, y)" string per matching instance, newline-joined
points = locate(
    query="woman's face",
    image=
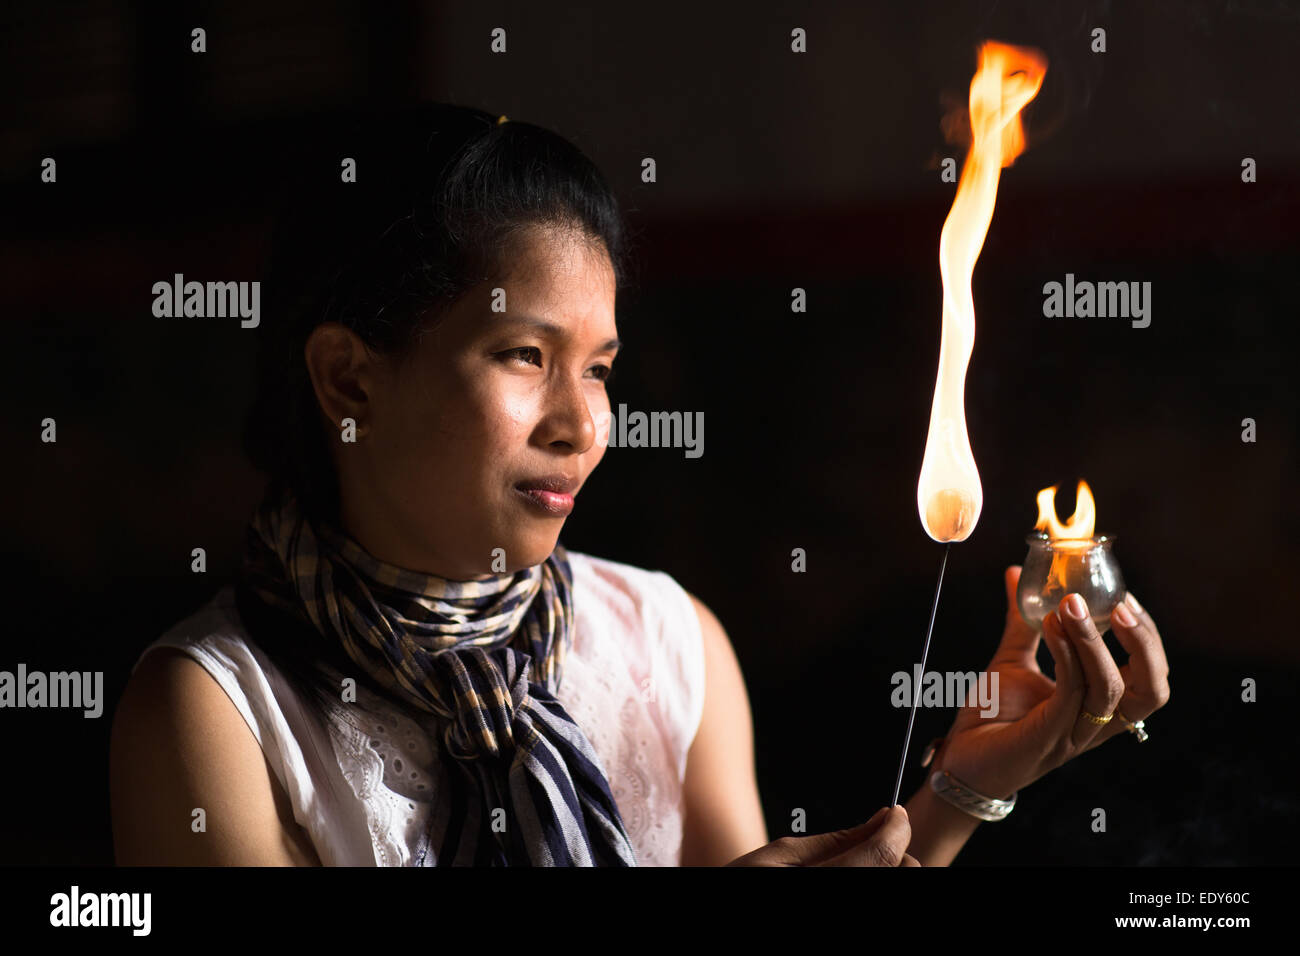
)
(490, 401)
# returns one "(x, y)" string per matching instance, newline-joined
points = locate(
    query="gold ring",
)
(1101, 721)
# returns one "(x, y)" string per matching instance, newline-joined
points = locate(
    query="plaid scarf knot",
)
(482, 727)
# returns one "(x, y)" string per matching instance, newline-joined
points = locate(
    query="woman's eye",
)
(533, 356)
(525, 354)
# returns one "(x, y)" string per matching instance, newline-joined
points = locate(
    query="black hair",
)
(390, 216)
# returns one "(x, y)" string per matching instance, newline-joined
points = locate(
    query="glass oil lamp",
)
(1068, 558)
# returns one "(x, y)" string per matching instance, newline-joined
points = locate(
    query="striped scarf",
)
(486, 657)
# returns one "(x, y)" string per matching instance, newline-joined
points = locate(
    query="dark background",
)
(775, 170)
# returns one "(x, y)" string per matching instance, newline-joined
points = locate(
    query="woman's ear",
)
(342, 375)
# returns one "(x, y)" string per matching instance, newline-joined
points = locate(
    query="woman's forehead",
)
(559, 259)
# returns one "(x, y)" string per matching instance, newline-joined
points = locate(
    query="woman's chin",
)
(529, 551)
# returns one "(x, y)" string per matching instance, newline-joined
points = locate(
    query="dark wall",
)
(775, 171)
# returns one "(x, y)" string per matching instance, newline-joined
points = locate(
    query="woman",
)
(411, 669)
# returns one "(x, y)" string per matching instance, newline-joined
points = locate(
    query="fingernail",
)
(1075, 607)
(1124, 616)
(1134, 602)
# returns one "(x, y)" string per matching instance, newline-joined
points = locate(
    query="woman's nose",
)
(568, 418)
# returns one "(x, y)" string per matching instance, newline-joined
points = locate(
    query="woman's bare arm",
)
(724, 817)
(939, 830)
(179, 743)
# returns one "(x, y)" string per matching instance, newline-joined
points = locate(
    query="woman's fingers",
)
(1143, 617)
(1147, 662)
(1061, 710)
(1146, 675)
(881, 841)
(1149, 689)
(886, 846)
(1103, 687)
(1019, 641)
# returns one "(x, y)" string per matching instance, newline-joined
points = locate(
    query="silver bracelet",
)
(971, 801)
(962, 795)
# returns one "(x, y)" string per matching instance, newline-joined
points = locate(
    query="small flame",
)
(949, 496)
(1070, 540)
(1081, 523)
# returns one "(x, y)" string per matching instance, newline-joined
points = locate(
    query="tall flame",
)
(1071, 540)
(1081, 523)
(949, 496)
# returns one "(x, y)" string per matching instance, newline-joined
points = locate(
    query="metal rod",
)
(916, 691)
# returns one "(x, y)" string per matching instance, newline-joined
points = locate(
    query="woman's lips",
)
(553, 503)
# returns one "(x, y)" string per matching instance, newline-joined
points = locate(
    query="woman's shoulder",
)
(185, 736)
(210, 656)
(648, 601)
(214, 637)
(212, 630)
(612, 580)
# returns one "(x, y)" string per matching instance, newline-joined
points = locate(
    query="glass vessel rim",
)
(1043, 538)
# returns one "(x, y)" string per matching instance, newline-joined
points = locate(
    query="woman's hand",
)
(1039, 724)
(881, 841)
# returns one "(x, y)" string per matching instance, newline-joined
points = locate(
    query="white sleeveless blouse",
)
(633, 682)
